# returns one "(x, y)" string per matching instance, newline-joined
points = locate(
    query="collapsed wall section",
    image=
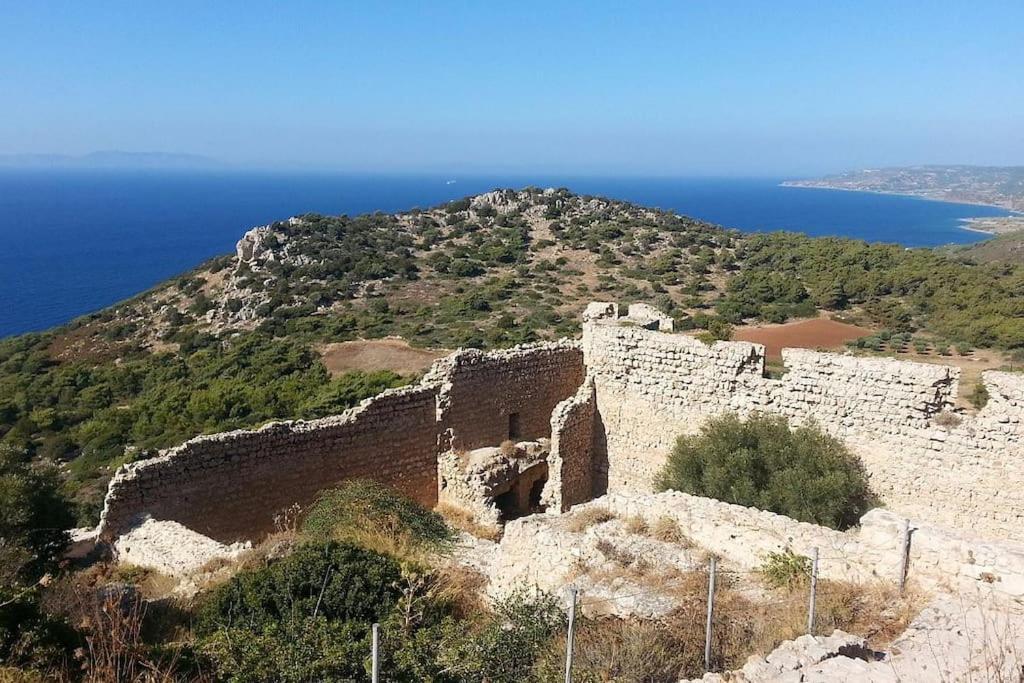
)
(650, 387)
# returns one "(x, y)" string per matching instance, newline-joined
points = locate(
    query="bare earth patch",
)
(819, 333)
(377, 354)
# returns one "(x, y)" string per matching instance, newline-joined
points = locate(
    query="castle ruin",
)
(579, 419)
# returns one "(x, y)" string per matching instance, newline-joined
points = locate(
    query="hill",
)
(1003, 248)
(1001, 186)
(237, 341)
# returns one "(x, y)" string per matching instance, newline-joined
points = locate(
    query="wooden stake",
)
(711, 612)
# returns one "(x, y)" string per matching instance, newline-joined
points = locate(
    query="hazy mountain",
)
(111, 159)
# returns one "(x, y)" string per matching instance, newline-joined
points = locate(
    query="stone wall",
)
(541, 551)
(570, 463)
(229, 486)
(488, 398)
(651, 387)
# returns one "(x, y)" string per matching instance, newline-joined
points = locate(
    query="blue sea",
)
(72, 242)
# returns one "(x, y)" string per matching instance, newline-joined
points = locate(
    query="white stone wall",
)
(651, 387)
(539, 550)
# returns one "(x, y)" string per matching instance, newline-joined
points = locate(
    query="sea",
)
(72, 242)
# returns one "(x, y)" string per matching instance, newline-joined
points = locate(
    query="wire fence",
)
(804, 600)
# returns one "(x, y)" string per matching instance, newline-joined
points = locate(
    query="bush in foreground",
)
(370, 514)
(760, 462)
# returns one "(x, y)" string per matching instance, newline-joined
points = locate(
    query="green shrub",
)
(507, 645)
(356, 506)
(979, 397)
(760, 462)
(293, 650)
(336, 581)
(785, 569)
(33, 522)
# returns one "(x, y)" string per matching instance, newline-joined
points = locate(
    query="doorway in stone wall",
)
(514, 429)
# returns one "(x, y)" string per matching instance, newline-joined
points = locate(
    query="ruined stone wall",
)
(570, 463)
(541, 551)
(229, 486)
(651, 387)
(487, 398)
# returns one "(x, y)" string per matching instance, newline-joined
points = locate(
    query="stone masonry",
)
(650, 387)
(230, 486)
(612, 407)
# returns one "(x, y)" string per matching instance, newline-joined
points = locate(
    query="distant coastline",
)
(812, 185)
(986, 225)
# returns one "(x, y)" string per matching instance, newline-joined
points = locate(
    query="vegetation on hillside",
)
(94, 416)
(300, 606)
(233, 343)
(760, 462)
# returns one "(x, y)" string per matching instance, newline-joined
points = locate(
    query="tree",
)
(760, 462)
(34, 518)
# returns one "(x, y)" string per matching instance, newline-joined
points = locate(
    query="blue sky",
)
(674, 88)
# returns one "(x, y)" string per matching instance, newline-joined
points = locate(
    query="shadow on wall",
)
(599, 457)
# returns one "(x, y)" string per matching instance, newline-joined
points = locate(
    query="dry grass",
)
(464, 520)
(584, 518)
(462, 588)
(667, 530)
(508, 448)
(672, 647)
(635, 524)
(151, 584)
(389, 538)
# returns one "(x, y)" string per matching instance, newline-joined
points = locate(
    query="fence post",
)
(711, 611)
(814, 590)
(905, 555)
(375, 656)
(569, 635)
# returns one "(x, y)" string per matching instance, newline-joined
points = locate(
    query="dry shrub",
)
(947, 419)
(112, 620)
(587, 517)
(635, 524)
(666, 530)
(390, 537)
(463, 519)
(672, 647)
(462, 588)
(621, 557)
(151, 584)
(508, 448)
(13, 675)
(625, 651)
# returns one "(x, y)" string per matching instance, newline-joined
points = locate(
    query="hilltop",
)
(241, 339)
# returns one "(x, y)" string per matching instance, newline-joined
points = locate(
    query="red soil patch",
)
(820, 333)
(377, 354)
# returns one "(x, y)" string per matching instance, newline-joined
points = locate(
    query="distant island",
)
(110, 159)
(1000, 186)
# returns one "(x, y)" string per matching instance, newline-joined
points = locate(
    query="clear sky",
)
(684, 87)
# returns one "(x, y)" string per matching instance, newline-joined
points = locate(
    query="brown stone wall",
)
(491, 397)
(229, 486)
